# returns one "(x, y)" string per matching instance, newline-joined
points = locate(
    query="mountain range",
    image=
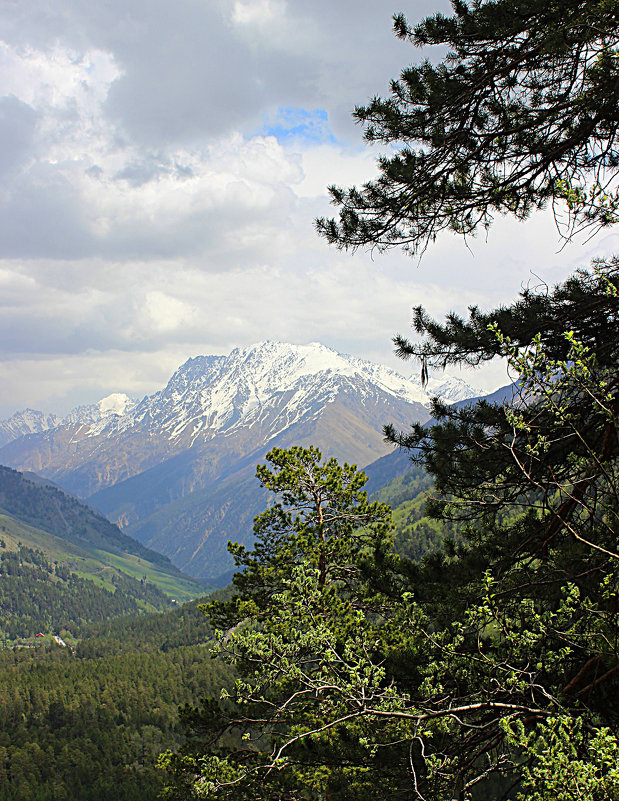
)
(175, 469)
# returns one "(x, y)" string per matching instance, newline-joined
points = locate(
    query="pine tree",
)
(488, 670)
(523, 111)
(302, 631)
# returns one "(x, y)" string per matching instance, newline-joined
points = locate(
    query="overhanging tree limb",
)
(523, 111)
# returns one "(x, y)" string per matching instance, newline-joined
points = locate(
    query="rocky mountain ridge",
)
(215, 393)
(28, 421)
(31, 421)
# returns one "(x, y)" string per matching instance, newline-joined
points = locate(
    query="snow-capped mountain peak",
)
(116, 403)
(28, 421)
(273, 380)
(217, 393)
(111, 407)
(276, 366)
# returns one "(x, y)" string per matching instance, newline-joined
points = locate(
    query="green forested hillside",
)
(88, 723)
(44, 518)
(85, 718)
(39, 596)
(416, 534)
(47, 508)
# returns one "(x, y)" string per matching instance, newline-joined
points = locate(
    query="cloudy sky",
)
(161, 167)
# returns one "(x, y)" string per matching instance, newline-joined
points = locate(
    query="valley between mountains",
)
(176, 469)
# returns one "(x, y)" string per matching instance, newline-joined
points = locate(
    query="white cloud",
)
(165, 314)
(257, 12)
(58, 77)
(146, 214)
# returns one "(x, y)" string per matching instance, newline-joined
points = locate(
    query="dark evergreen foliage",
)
(87, 724)
(39, 596)
(523, 110)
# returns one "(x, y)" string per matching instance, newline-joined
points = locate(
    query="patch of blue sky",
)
(309, 126)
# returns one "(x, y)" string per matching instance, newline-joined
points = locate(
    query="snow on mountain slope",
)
(173, 465)
(221, 393)
(218, 393)
(110, 407)
(29, 421)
